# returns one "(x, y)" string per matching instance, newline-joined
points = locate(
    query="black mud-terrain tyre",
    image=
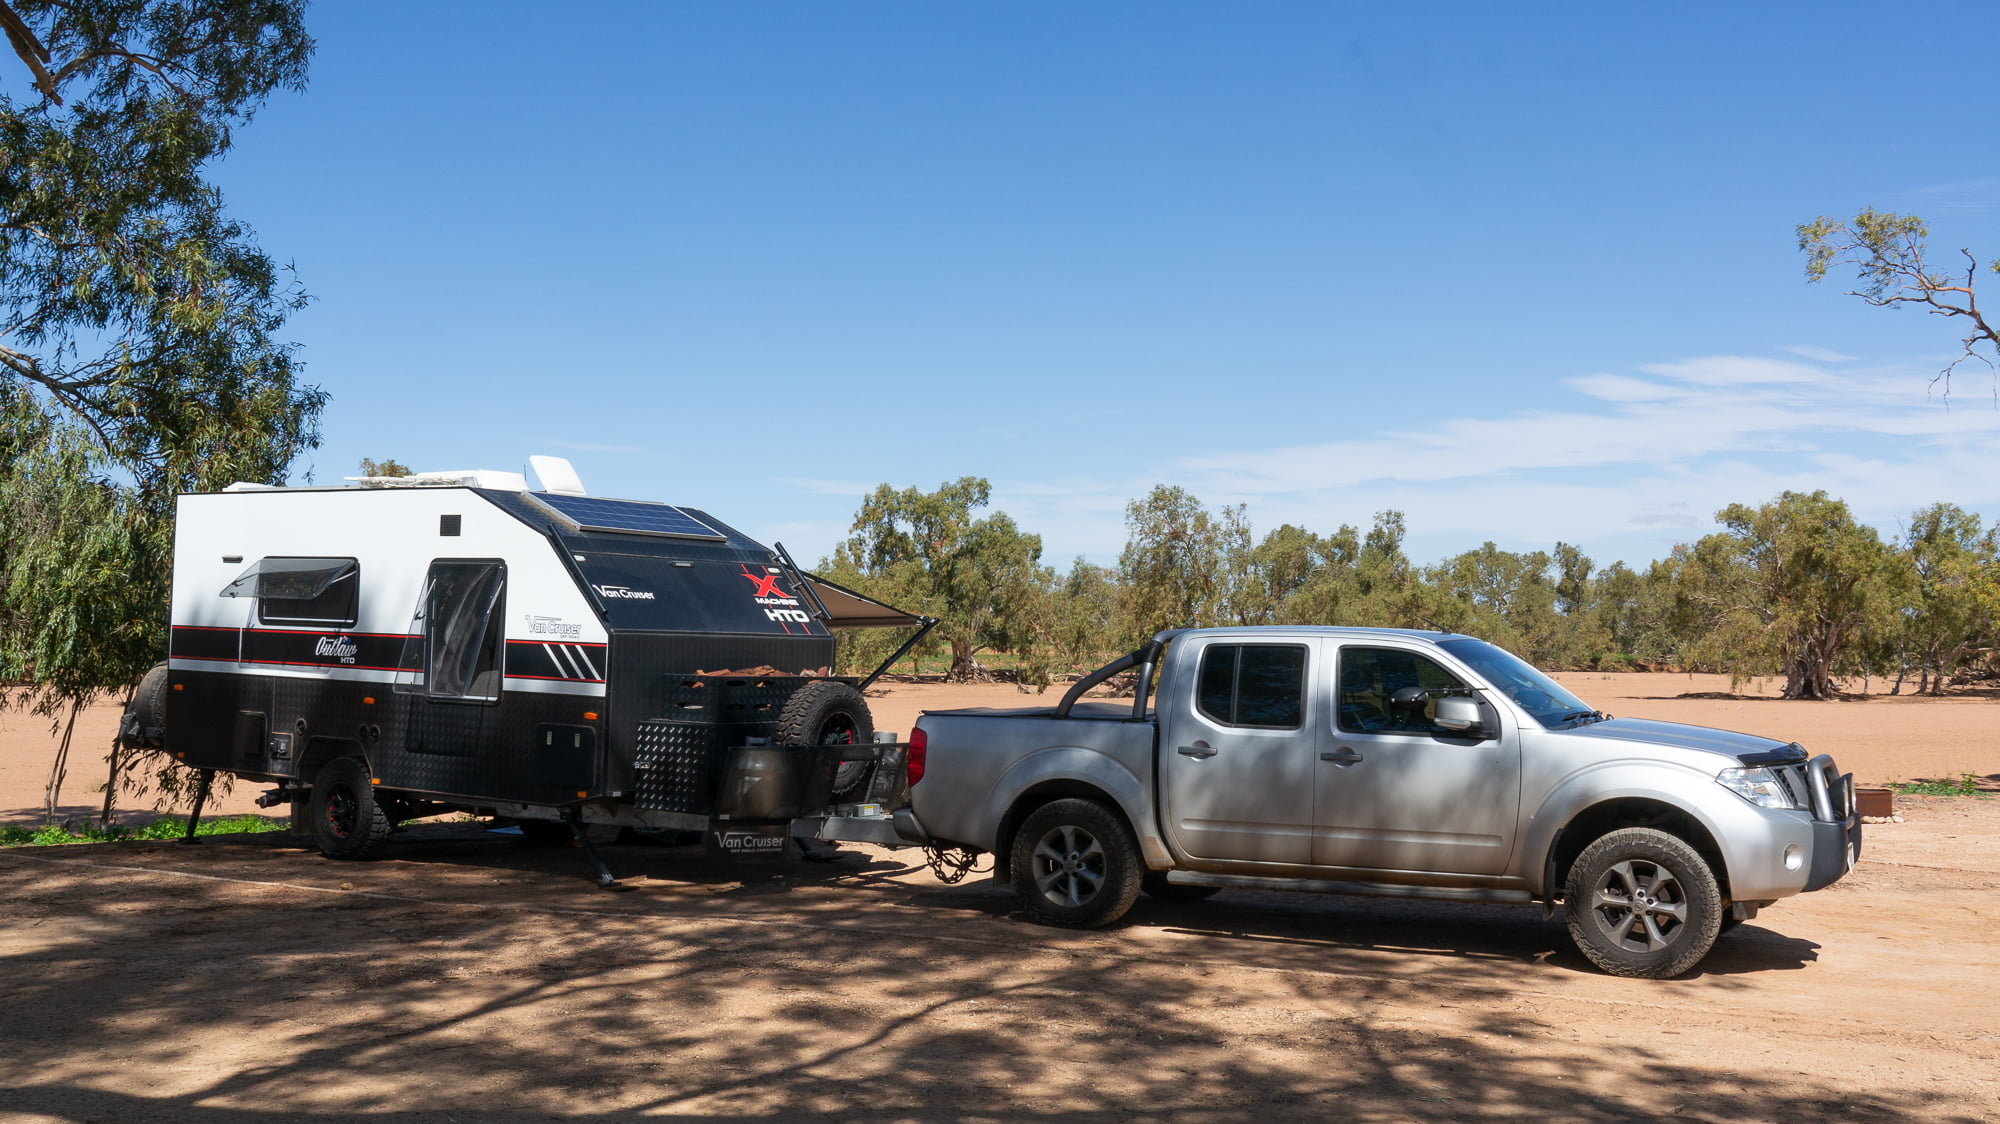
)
(1076, 864)
(1156, 886)
(1642, 903)
(829, 712)
(348, 822)
(148, 711)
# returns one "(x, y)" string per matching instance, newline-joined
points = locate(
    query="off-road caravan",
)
(454, 641)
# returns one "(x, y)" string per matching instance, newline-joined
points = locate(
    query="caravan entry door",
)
(452, 663)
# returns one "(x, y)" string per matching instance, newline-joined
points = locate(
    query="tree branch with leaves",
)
(140, 354)
(1889, 253)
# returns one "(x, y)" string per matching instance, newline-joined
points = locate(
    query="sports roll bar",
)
(1146, 659)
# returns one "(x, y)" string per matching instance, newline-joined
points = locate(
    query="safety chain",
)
(951, 864)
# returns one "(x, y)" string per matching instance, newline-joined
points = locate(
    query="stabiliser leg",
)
(574, 817)
(200, 798)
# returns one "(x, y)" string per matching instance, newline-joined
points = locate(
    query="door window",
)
(1391, 691)
(1261, 685)
(457, 631)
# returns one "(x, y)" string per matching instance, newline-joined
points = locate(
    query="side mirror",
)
(1458, 715)
(1409, 700)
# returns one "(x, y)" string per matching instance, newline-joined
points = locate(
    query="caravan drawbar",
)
(454, 641)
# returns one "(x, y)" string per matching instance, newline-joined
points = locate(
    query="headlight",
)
(1759, 786)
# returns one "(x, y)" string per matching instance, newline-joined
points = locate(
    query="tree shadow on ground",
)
(178, 995)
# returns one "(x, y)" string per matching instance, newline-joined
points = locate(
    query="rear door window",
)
(1259, 685)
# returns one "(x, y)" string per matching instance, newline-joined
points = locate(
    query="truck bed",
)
(975, 755)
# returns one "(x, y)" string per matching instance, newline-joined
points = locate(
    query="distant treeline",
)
(1794, 587)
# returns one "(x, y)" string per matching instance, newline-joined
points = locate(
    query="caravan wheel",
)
(828, 712)
(348, 822)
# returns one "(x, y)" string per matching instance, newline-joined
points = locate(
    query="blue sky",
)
(1525, 272)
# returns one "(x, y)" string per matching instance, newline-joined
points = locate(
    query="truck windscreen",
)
(1549, 702)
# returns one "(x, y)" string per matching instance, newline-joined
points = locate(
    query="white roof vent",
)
(557, 476)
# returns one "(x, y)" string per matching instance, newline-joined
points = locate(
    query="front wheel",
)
(348, 822)
(1076, 864)
(1642, 903)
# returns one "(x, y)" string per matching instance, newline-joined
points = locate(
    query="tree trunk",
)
(111, 766)
(963, 667)
(59, 768)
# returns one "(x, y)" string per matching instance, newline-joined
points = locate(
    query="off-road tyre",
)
(1642, 903)
(829, 712)
(1156, 886)
(1076, 864)
(148, 711)
(348, 822)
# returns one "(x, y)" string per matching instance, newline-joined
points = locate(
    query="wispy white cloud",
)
(1967, 197)
(1821, 354)
(1657, 454)
(1736, 370)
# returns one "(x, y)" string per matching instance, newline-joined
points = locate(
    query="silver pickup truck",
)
(1381, 761)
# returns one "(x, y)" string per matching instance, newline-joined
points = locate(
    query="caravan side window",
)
(334, 606)
(458, 630)
(323, 592)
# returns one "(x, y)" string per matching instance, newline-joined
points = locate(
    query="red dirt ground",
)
(469, 977)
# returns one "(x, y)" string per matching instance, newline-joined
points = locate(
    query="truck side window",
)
(1253, 685)
(1369, 680)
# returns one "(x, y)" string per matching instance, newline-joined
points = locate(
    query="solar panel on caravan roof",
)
(634, 517)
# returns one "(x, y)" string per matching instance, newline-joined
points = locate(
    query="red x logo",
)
(767, 585)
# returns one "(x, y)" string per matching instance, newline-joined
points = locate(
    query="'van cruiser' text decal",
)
(626, 592)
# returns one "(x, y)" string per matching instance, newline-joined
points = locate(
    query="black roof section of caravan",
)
(665, 569)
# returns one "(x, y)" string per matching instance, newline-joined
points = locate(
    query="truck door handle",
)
(1198, 749)
(1341, 756)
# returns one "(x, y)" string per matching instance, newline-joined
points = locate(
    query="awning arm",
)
(929, 623)
(805, 587)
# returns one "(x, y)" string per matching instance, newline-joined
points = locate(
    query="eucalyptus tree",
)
(1953, 598)
(980, 576)
(140, 352)
(1787, 586)
(1181, 563)
(1890, 256)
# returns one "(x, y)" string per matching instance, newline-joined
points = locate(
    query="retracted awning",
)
(848, 609)
(294, 578)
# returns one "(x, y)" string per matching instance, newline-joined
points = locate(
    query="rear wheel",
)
(348, 822)
(1642, 903)
(1076, 864)
(829, 712)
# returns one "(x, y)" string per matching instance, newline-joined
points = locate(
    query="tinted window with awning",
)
(316, 591)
